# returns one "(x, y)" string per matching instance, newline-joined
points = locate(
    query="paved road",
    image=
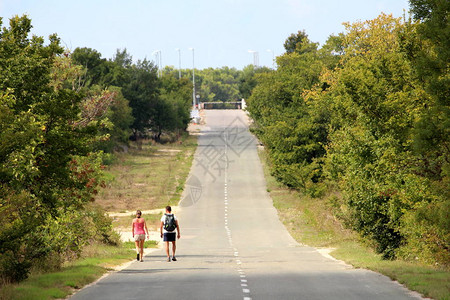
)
(233, 246)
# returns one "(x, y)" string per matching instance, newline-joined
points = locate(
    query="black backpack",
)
(169, 223)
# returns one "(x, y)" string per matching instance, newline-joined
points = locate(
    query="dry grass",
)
(124, 222)
(147, 178)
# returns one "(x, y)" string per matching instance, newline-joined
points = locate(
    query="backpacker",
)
(169, 223)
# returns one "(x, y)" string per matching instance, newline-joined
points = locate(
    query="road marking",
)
(243, 283)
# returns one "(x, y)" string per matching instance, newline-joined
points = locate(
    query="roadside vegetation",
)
(311, 221)
(356, 139)
(65, 119)
(356, 134)
(164, 168)
(364, 122)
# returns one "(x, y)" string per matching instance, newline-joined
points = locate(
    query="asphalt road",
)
(232, 244)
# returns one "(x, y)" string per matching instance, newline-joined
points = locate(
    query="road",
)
(232, 244)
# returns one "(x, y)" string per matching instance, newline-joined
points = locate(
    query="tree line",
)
(60, 112)
(367, 115)
(221, 84)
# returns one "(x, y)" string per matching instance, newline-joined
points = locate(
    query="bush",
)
(102, 223)
(13, 267)
(427, 234)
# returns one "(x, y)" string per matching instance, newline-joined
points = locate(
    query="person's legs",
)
(167, 250)
(137, 249)
(141, 248)
(174, 247)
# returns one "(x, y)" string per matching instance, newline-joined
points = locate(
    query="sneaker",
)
(142, 260)
(168, 259)
(174, 258)
(137, 257)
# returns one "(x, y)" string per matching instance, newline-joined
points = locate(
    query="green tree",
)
(95, 66)
(140, 86)
(42, 145)
(248, 81)
(219, 84)
(173, 106)
(377, 100)
(300, 43)
(293, 135)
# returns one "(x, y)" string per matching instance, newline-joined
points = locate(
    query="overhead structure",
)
(255, 58)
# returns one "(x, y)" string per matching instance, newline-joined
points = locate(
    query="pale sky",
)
(221, 31)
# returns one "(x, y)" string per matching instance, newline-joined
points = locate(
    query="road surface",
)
(232, 244)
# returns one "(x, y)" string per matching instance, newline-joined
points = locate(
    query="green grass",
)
(147, 244)
(427, 280)
(96, 260)
(311, 222)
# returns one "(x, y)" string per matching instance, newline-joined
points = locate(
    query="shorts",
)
(139, 237)
(169, 237)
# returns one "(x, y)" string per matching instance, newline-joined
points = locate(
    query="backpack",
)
(169, 223)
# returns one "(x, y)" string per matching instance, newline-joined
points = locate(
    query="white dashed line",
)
(243, 282)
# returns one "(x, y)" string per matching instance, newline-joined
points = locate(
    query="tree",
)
(293, 136)
(248, 81)
(95, 66)
(47, 168)
(140, 85)
(299, 43)
(172, 110)
(377, 104)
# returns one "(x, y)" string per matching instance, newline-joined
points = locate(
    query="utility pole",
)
(193, 78)
(179, 62)
(158, 61)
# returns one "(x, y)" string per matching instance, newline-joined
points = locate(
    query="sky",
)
(221, 32)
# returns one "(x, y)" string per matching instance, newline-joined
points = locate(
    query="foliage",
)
(48, 172)
(293, 130)
(140, 86)
(218, 84)
(299, 43)
(174, 106)
(368, 112)
(248, 81)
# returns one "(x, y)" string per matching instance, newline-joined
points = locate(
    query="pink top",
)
(138, 227)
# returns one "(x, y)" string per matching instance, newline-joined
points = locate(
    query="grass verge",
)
(147, 177)
(95, 261)
(311, 222)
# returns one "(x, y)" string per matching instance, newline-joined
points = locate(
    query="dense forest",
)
(366, 116)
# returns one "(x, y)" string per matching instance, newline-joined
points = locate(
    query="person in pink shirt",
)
(137, 229)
